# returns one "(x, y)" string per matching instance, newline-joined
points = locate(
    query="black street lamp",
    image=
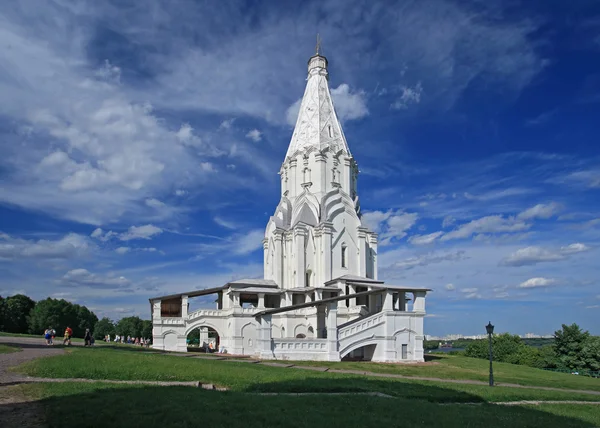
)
(490, 330)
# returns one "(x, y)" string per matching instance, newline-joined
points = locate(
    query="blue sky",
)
(140, 144)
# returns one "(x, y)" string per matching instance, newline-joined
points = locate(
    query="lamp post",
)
(490, 330)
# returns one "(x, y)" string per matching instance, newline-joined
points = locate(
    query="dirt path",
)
(16, 409)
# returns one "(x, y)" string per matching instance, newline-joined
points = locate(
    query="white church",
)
(320, 298)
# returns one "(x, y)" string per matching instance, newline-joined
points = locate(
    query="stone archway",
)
(203, 338)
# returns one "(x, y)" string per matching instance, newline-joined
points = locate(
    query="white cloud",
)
(450, 287)
(409, 96)
(125, 250)
(84, 278)
(180, 192)
(249, 242)
(238, 244)
(154, 203)
(574, 248)
(489, 224)
(537, 282)
(428, 259)
(255, 135)
(541, 211)
(140, 232)
(71, 245)
(227, 123)
(469, 290)
(448, 221)
(424, 239)
(391, 225)
(531, 256)
(534, 254)
(225, 223)
(349, 105)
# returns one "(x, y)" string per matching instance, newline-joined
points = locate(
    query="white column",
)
(373, 244)
(184, 306)
(266, 265)
(346, 181)
(278, 242)
(156, 307)
(326, 256)
(388, 300)
(419, 302)
(342, 286)
(264, 337)
(261, 300)
(362, 251)
(299, 237)
(332, 339)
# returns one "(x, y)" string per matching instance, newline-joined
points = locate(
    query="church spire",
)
(317, 125)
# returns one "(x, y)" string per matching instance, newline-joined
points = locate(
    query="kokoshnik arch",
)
(320, 298)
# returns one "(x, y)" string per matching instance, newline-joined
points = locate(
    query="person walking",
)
(68, 335)
(48, 336)
(87, 338)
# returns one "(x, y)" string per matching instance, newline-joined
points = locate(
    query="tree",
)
(16, 313)
(568, 345)
(129, 326)
(590, 353)
(60, 314)
(146, 329)
(103, 327)
(505, 346)
(2, 312)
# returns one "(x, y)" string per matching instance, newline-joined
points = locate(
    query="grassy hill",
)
(413, 401)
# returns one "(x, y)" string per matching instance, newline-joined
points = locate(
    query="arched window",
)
(300, 336)
(308, 275)
(330, 131)
(344, 255)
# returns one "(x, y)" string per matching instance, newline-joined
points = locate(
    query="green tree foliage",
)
(591, 353)
(431, 344)
(103, 327)
(569, 342)
(130, 326)
(60, 314)
(504, 345)
(146, 329)
(2, 312)
(16, 313)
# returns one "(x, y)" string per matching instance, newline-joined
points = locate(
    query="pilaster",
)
(184, 306)
(419, 301)
(332, 336)
(300, 263)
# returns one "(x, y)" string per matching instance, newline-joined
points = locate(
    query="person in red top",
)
(68, 334)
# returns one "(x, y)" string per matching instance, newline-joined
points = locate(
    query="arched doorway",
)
(203, 339)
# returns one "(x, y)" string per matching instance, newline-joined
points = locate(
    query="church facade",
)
(320, 298)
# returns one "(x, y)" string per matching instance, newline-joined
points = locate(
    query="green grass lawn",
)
(126, 364)
(6, 349)
(459, 367)
(101, 405)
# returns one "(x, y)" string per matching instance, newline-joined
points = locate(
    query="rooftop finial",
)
(318, 44)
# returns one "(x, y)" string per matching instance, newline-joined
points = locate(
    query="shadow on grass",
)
(102, 405)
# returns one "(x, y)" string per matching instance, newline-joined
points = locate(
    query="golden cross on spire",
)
(318, 43)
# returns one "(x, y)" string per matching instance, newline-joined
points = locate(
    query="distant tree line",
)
(572, 349)
(21, 314)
